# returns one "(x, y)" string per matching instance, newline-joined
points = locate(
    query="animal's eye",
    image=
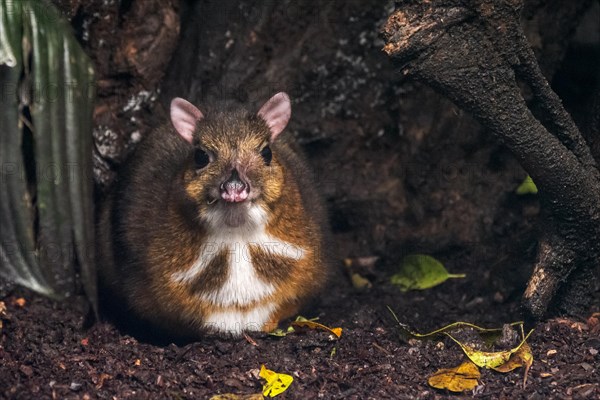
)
(266, 154)
(201, 158)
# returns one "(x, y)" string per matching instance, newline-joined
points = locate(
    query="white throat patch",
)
(243, 285)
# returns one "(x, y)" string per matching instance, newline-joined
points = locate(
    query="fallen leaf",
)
(281, 333)
(367, 262)
(458, 379)
(521, 358)
(358, 269)
(307, 323)
(360, 282)
(419, 271)
(593, 322)
(486, 359)
(587, 367)
(501, 361)
(303, 322)
(527, 187)
(362, 262)
(580, 326)
(2, 312)
(26, 370)
(231, 396)
(276, 383)
(407, 332)
(101, 380)
(20, 302)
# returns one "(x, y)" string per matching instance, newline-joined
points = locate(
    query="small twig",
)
(250, 340)
(378, 347)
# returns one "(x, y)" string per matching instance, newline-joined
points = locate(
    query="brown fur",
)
(151, 225)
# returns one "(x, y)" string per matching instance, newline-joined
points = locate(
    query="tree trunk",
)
(473, 52)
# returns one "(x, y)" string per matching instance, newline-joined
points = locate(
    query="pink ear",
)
(184, 116)
(276, 112)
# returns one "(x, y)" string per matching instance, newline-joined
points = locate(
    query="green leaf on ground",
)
(527, 187)
(282, 333)
(419, 271)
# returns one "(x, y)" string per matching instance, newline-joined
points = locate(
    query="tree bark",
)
(473, 52)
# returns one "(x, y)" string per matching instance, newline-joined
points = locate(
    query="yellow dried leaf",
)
(21, 302)
(521, 358)
(487, 359)
(303, 322)
(360, 282)
(101, 379)
(2, 312)
(231, 396)
(458, 379)
(276, 383)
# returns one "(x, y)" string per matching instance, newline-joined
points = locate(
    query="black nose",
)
(234, 189)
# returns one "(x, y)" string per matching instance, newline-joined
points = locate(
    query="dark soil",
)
(402, 170)
(46, 353)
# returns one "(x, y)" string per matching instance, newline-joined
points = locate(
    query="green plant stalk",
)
(39, 56)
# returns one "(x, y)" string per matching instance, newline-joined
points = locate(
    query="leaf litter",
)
(493, 348)
(302, 322)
